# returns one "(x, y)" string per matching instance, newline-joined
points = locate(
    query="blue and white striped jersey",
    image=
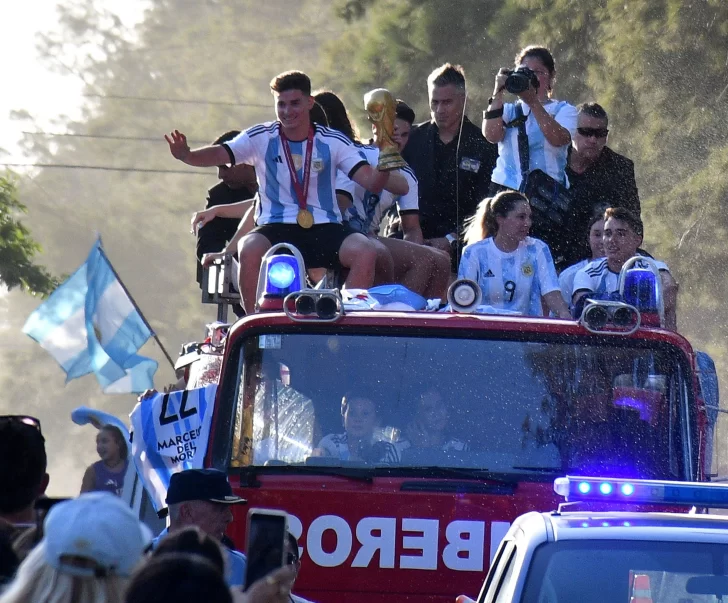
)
(261, 146)
(542, 155)
(366, 214)
(513, 281)
(597, 278)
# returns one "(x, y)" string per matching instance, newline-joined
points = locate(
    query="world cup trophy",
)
(382, 109)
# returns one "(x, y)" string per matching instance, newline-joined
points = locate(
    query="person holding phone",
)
(202, 498)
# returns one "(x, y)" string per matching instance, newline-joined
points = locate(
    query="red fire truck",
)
(470, 418)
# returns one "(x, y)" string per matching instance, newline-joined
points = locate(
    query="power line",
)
(110, 137)
(105, 168)
(176, 100)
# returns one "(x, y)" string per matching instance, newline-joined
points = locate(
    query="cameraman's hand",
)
(500, 80)
(529, 96)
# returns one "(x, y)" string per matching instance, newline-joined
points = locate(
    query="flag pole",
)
(133, 302)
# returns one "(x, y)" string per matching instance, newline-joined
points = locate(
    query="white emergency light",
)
(659, 492)
(282, 272)
(464, 295)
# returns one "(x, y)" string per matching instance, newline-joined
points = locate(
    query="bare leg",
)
(251, 249)
(384, 266)
(358, 254)
(424, 270)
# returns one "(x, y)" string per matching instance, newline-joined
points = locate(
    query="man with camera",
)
(598, 178)
(452, 162)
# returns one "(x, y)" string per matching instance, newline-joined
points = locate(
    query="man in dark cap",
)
(202, 498)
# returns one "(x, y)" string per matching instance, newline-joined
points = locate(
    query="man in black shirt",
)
(452, 161)
(598, 178)
(238, 183)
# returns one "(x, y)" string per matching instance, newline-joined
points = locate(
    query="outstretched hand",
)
(177, 145)
(200, 218)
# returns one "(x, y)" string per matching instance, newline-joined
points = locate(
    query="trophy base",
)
(389, 161)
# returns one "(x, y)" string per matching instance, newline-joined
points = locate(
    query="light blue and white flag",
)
(170, 434)
(90, 325)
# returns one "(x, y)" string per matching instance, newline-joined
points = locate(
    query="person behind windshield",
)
(430, 426)
(515, 272)
(360, 440)
(550, 123)
(596, 246)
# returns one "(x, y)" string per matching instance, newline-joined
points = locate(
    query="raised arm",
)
(494, 129)
(202, 157)
(375, 181)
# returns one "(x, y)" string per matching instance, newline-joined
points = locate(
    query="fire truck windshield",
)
(398, 403)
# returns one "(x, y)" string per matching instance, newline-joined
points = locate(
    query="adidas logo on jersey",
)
(489, 274)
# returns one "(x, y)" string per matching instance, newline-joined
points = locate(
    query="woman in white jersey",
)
(596, 245)
(549, 123)
(514, 271)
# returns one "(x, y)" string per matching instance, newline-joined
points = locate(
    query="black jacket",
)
(476, 159)
(213, 237)
(610, 182)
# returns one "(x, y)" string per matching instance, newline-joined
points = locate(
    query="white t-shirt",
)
(597, 278)
(261, 146)
(337, 446)
(566, 280)
(542, 154)
(513, 281)
(365, 215)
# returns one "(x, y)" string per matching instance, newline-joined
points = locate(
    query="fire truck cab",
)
(404, 444)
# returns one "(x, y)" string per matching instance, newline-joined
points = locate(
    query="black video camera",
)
(518, 80)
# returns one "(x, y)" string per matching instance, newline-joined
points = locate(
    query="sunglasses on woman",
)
(595, 132)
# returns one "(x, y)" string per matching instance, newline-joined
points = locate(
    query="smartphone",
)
(266, 536)
(42, 506)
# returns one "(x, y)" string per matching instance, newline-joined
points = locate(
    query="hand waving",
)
(178, 145)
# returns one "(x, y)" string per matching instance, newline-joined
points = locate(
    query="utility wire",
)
(151, 99)
(110, 137)
(105, 168)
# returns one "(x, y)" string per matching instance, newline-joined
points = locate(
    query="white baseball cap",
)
(96, 534)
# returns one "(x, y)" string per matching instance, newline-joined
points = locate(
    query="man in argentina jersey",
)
(514, 280)
(424, 270)
(623, 233)
(327, 243)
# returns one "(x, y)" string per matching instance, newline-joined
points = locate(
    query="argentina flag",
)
(90, 325)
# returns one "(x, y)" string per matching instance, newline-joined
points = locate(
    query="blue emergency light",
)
(282, 272)
(640, 289)
(660, 492)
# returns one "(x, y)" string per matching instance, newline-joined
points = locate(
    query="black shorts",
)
(319, 245)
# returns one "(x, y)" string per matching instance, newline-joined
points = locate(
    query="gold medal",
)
(304, 218)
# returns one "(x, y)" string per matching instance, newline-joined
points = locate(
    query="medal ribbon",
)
(301, 188)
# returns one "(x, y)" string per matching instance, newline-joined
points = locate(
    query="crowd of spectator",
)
(309, 180)
(94, 549)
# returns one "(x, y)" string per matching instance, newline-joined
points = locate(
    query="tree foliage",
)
(17, 247)
(658, 66)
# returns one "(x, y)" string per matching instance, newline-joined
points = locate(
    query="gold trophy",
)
(382, 108)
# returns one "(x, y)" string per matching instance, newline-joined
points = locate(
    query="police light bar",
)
(659, 492)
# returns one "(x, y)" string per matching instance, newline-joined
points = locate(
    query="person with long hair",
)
(550, 123)
(515, 272)
(90, 548)
(108, 473)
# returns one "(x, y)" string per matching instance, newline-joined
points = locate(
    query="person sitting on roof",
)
(359, 442)
(623, 233)
(515, 272)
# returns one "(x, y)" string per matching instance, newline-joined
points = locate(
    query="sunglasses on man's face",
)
(22, 420)
(291, 559)
(595, 132)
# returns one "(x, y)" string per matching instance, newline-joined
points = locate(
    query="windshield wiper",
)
(568, 471)
(479, 474)
(249, 474)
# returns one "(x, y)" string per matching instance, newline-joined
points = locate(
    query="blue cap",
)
(201, 484)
